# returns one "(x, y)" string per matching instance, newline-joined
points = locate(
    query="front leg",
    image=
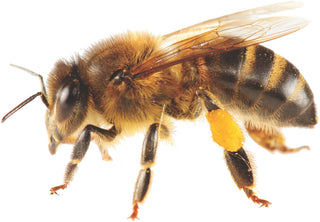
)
(148, 156)
(79, 150)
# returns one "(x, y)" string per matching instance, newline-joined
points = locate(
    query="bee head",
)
(66, 101)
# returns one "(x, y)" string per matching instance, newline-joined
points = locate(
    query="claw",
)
(257, 200)
(251, 195)
(54, 190)
(134, 214)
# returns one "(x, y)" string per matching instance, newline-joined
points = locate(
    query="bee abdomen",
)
(298, 109)
(286, 98)
(256, 80)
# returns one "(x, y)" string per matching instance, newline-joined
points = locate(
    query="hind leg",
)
(272, 141)
(241, 170)
(226, 132)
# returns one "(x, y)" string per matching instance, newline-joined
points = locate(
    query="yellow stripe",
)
(249, 63)
(279, 65)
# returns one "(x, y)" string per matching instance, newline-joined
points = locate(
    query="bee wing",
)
(221, 34)
(246, 17)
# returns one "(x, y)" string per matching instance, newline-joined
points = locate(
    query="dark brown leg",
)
(272, 141)
(241, 171)
(148, 156)
(79, 151)
(228, 135)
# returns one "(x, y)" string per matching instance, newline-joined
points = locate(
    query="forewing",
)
(225, 33)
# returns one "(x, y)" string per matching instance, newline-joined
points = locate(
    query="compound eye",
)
(68, 98)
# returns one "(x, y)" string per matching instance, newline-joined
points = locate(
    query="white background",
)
(191, 180)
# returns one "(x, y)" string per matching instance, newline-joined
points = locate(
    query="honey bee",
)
(139, 82)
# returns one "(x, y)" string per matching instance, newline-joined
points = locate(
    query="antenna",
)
(43, 94)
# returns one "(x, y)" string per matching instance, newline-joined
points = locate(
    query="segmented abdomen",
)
(255, 81)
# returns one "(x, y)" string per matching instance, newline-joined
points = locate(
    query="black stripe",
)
(307, 118)
(224, 70)
(305, 108)
(254, 82)
(272, 99)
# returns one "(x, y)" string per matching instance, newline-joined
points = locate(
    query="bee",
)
(140, 82)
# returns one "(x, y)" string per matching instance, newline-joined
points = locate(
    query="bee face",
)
(68, 102)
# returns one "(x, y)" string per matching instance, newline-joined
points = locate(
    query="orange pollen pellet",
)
(225, 131)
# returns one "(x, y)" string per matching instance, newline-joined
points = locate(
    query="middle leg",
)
(148, 156)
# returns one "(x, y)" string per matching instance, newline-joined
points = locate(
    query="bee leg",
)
(79, 151)
(240, 168)
(272, 141)
(226, 132)
(148, 156)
